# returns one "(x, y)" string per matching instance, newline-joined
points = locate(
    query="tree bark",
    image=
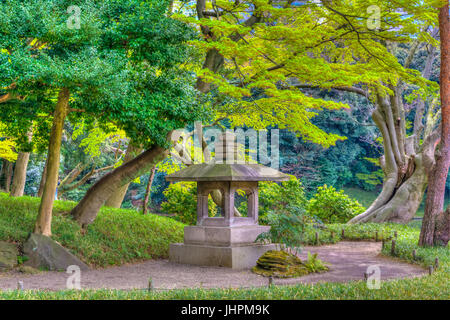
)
(42, 183)
(405, 161)
(147, 191)
(87, 209)
(432, 231)
(20, 174)
(44, 219)
(7, 171)
(116, 199)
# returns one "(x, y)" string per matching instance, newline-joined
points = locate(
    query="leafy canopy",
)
(120, 65)
(273, 49)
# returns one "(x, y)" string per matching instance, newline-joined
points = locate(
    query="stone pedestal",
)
(232, 247)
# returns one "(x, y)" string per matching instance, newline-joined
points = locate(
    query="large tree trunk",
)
(20, 174)
(116, 199)
(403, 166)
(44, 219)
(435, 228)
(405, 161)
(87, 209)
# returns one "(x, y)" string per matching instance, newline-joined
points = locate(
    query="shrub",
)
(276, 197)
(314, 264)
(182, 202)
(331, 206)
(287, 226)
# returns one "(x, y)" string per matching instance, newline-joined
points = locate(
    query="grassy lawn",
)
(116, 237)
(120, 236)
(367, 197)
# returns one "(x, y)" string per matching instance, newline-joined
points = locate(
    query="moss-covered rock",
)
(280, 264)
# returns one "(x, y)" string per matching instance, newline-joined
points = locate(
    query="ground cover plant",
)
(116, 237)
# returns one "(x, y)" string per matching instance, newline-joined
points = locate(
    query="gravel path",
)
(349, 261)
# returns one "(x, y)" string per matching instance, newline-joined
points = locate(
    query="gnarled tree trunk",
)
(44, 219)
(116, 199)
(405, 160)
(403, 165)
(87, 209)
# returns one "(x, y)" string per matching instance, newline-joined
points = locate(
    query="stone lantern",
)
(226, 240)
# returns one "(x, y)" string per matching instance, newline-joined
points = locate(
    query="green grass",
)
(435, 286)
(364, 197)
(116, 237)
(119, 236)
(367, 197)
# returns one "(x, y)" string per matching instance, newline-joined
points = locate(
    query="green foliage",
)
(22, 259)
(7, 150)
(373, 178)
(122, 66)
(287, 226)
(331, 206)
(96, 137)
(277, 48)
(314, 264)
(277, 197)
(116, 237)
(182, 202)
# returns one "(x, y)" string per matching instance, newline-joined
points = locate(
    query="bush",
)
(182, 202)
(331, 206)
(275, 197)
(287, 226)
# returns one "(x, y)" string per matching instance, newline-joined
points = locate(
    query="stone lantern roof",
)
(227, 166)
(227, 172)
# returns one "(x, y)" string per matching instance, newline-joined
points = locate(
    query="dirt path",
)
(349, 261)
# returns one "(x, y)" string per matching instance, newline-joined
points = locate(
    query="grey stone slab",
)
(223, 236)
(235, 257)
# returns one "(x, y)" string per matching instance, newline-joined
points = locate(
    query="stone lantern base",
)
(232, 247)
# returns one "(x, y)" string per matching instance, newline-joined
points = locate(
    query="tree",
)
(406, 157)
(89, 152)
(157, 47)
(116, 199)
(262, 56)
(89, 70)
(436, 222)
(20, 171)
(148, 191)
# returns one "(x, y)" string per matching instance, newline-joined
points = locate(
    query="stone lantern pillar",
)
(224, 240)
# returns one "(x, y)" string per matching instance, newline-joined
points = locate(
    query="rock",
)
(43, 252)
(279, 264)
(8, 255)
